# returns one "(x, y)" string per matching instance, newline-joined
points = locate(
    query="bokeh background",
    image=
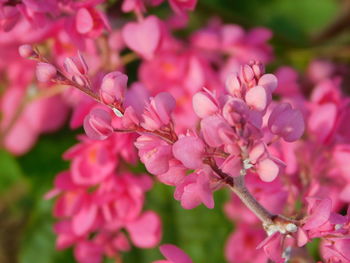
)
(303, 30)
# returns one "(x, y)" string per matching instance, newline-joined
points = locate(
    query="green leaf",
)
(10, 171)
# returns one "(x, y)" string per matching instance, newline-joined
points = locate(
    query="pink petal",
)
(174, 254)
(145, 232)
(45, 72)
(189, 150)
(143, 37)
(256, 98)
(268, 81)
(165, 104)
(267, 170)
(84, 220)
(204, 105)
(320, 214)
(98, 124)
(84, 21)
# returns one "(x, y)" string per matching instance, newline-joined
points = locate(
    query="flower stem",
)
(248, 199)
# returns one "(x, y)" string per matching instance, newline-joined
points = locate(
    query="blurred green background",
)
(303, 29)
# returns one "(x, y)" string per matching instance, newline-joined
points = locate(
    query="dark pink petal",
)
(174, 254)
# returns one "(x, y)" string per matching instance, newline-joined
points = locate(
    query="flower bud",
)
(257, 67)
(246, 73)
(97, 124)
(26, 51)
(45, 72)
(113, 87)
(233, 85)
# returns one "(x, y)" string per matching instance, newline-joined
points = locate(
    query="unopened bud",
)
(26, 51)
(45, 72)
(97, 124)
(257, 67)
(113, 87)
(233, 85)
(246, 73)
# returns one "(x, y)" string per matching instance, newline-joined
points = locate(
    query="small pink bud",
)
(257, 98)
(26, 51)
(258, 68)
(204, 104)
(267, 170)
(286, 122)
(97, 124)
(246, 73)
(45, 72)
(233, 85)
(113, 87)
(76, 65)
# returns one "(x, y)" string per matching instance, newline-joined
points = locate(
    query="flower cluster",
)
(202, 116)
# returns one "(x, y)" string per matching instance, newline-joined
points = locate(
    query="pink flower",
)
(92, 162)
(241, 245)
(157, 112)
(155, 153)
(194, 190)
(286, 122)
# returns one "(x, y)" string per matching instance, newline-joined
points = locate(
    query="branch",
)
(248, 199)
